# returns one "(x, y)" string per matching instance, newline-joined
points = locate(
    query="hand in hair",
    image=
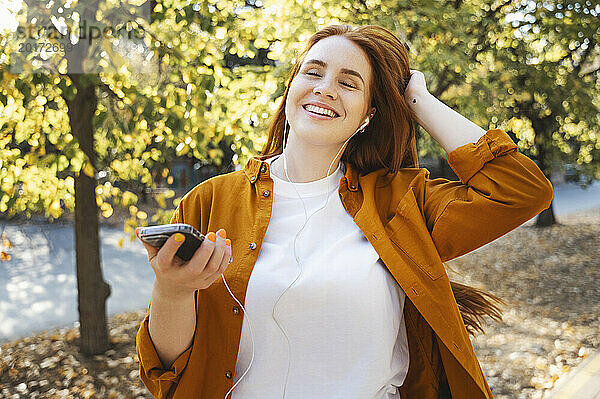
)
(416, 87)
(449, 128)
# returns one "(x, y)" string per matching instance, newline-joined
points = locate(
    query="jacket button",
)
(252, 245)
(263, 168)
(228, 374)
(266, 193)
(253, 179)
(236, 310)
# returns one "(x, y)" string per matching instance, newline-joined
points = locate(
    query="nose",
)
(325, 88)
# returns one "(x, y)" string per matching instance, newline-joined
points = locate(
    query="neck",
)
(306, 163)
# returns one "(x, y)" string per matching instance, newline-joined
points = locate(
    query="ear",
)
(372, 112)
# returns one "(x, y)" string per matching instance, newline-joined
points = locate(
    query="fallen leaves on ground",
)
(49, 365)
(549, 279)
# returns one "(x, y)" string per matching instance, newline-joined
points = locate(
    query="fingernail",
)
(179, 237)
(228, 242)
(222, 233)
(211, 237)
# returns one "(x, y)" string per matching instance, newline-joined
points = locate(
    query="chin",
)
(321, 136)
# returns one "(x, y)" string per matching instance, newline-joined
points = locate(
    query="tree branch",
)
(106, 88)
(591, 72)
(585, 55)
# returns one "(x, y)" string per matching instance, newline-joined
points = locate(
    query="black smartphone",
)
(157, 235)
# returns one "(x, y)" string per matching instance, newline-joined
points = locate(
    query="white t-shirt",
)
(343, 316)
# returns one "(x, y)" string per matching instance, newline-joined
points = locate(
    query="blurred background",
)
(110, 111)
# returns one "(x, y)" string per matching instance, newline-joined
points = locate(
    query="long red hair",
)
(389, 142)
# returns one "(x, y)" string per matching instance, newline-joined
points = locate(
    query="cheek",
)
(292, 97)
(297, 89)
(357, 106)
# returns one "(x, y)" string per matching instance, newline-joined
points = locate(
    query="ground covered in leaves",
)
(549, 279)
(49, 365)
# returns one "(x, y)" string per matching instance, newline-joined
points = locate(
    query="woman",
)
(345, 295)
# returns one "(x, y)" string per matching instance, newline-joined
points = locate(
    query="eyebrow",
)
(343, 70)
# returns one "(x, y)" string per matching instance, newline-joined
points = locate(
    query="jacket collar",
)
(257, 168)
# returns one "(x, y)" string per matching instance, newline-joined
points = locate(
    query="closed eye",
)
(312, 73)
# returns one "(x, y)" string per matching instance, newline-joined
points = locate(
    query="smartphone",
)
(157, 235)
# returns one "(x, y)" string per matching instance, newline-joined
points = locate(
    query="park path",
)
(581, 383)
(38, 289)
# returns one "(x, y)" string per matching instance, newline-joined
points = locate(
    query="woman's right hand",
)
(178, 279)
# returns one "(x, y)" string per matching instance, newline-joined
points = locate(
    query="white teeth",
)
(319, 110)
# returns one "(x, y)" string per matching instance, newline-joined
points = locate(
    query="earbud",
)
(364, 125)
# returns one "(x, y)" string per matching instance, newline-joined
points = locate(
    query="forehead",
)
(339, 52)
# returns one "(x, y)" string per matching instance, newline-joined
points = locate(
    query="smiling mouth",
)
(320, 111)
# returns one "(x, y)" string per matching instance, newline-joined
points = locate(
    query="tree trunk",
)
(227, 161)
(543, 141)
(546, 217)
(92, 289)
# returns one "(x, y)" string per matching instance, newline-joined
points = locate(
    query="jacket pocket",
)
(408, 232)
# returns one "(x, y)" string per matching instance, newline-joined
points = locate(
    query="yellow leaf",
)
(128, 198)
(6, 242)
(4, 257)
(220, 32)
(107, 210)
(218, 70)
(121, 243)
(88, 169)
(55, 209)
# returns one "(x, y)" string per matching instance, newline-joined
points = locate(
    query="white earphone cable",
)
(286, 130)
(298, 233)
(251, 337)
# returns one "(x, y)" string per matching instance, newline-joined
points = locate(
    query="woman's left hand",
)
(416, 85)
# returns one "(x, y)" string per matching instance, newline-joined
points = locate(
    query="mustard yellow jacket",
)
(413, 222)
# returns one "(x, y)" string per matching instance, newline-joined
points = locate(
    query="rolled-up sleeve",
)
(499, 189)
